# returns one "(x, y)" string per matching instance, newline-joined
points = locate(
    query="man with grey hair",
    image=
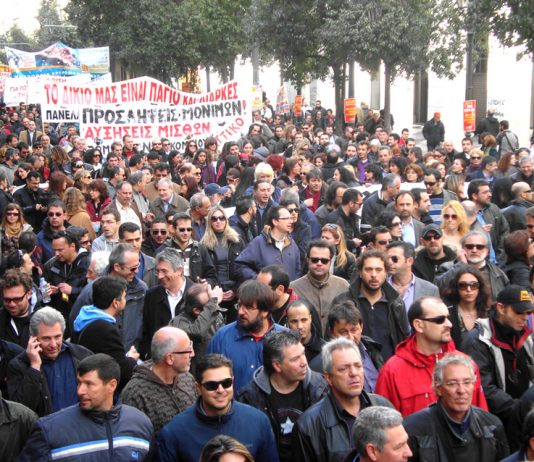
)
(165, 300)
(163, 387)
(452, 428)
(323, 432)
(43, 377)
(475, 250)
(99, 263)
(123, 203)
(168, 200)
(123, 263)
(200, 206)
(379, 200)
(379, 436)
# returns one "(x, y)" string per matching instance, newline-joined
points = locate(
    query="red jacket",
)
(406, 378)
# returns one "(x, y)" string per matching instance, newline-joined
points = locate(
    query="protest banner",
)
(297, 107)
(58, 59)
(282, 103)
(349, 110)
(470, 110)
(145, 108)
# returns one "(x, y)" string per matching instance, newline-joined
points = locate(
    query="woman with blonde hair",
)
(454, 224)
(82, 180)
(224, 245)
(344, 262)
(455, 183)
(75, 209)
(12, 226)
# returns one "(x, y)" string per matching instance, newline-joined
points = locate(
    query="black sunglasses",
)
(324, 261)
(437, 319)
(155, 232)
(213, 385)
(183, 230)
(430, 237)
(474, 246)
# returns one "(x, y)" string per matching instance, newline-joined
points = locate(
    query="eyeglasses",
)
(437, 319)
(324, 261)
(331, 226)
(456, 383)
(464, 285)
(87, 242)
(131, 270)
(449, 216)
(430, 183)
(218, 218)
(88, 177)
(15, 299)
(394, 259)
(283, 218)
(213, 385)
(397, 223)
(55, 214)
(474, 246)
(183, 230)
(12, 214)
(293, 210)
(155, 232)
(383, 241)
(198, 173)
(475, 158)
(184, 352)
(430, 237)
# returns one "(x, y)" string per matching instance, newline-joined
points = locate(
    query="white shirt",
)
(175, 299)
(127, 214)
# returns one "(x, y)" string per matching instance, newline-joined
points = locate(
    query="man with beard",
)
(411, 228)
(242, 340)
(382, 308)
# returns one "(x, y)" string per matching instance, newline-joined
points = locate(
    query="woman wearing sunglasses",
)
(12, 226)
(344, 262)
(454, 225)
(470, 299)
(224, 245)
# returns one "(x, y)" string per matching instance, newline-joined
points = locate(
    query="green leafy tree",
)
(512, 22)
(52, 28)
(19, 40)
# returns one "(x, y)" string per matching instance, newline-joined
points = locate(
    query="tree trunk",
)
(208, 79)
(351, 80)
(255, 66)
(387, 98)
(232, 70)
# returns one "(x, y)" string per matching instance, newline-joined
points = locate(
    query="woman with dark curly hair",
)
(99, 200)
(392, 221)
(189, 187)
(470, 299)
(221, 446)
(519, 250)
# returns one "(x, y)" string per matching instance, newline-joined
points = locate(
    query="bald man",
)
(516, 212)
(163, 387)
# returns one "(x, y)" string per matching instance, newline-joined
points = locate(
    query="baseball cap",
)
(518, 297)
(432, 227)
(211, 189)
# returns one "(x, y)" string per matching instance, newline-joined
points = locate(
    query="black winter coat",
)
(28, 200)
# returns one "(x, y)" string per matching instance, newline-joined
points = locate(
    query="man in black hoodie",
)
(434, 253)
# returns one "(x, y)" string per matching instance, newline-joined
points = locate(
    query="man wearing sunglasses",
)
(489, 216)
(438, 196)
(156, 236)
(502, 346)
(216, 412)
(433, 255)
(475, 251)
(318, 287)
(55, 221)
(406, 378)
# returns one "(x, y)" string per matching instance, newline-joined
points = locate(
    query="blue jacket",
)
(183, 438)
(261, 252)
(122, 434)
(246, 354)
(130, 323)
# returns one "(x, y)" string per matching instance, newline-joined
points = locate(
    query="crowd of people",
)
(293, 295)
